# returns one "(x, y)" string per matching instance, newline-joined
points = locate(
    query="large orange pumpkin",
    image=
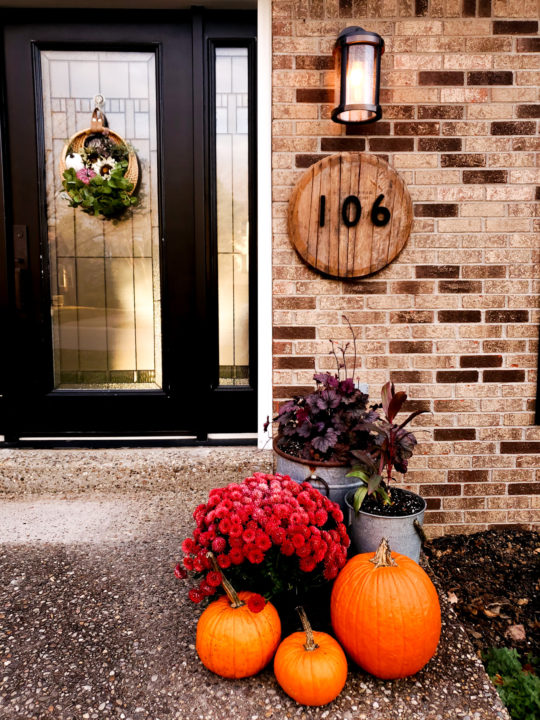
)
(310, 666)
(385, 612)
(233, 641)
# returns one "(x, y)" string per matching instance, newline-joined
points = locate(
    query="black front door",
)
(142, 324)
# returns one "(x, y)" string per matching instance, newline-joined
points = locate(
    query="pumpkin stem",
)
(383, 556)
(229, 590)
(310, 643)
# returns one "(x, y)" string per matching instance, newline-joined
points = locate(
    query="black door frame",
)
(212, 409)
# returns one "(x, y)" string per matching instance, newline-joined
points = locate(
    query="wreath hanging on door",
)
(100, 171)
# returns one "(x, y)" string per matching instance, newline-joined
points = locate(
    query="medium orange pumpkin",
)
(385, 612)
(233, 641)
(310, 666)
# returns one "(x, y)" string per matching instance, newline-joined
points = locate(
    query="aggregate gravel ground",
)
(93, 623)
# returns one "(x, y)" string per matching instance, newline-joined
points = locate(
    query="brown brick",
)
(478, 361)
(457, 376)
(441, 490)
(515, 27)
(435, 210)
(314, 62)
(290, 391)
(504, 376)
(399, 112)
(460, 476)
(442, 112)
(433, 503)
(411, 316)
(341, 144)
(460, 286)
(378, 128)
(307, 160)
(469, 8)
(528, 45)
(416, 128)
(345, 8)
(315, 95)
(295, 303)
(481, 177)
(528, 111)
(408, 347)
(441, 77)
(413, 405)
(409, 376)
(507, 316)
(439, 144)
(463, 160)
(294, 363)
(459, 316)
(391, 144)
(294, 332)
(457, 406)
(421, 7)
(484, 8)
(365, 287)
(520, 448)
(484, 271)
(412, 287)
(437, 271)
(532, 488)
(490, 77)
(513, 128)
(441, 434)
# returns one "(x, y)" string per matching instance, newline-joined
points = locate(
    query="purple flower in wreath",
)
(85, 175)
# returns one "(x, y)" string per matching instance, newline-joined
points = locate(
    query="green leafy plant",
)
(97, 195)
(517, 684)
(389, 446)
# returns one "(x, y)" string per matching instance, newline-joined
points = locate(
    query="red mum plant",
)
(271, 534)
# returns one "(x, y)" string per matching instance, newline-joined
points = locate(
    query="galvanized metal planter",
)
(328, 477)
(367, 530)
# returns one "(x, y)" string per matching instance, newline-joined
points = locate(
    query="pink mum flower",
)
(85, 175)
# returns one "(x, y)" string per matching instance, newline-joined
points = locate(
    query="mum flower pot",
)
(403, 532)
(328, 477)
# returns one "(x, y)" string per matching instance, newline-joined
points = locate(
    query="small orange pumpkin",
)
(310, 666)
(385, 612)
(233, 641)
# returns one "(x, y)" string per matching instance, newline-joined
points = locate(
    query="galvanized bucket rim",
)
(350, 495)
(303, 461)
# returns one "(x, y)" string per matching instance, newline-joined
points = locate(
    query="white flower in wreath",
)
(74, 161)
(104, 166)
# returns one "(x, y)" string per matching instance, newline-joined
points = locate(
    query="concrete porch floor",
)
(93, 623)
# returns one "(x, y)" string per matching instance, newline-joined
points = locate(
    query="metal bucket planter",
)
(404, 533)
(327, 477)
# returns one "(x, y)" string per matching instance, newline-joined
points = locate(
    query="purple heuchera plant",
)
(329, 422)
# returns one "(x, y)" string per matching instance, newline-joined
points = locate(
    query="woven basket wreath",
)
(100, 171)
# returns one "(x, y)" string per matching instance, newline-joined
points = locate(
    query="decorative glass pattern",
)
(105, 277)
(232, 178)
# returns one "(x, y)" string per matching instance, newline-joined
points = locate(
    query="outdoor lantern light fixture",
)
(357, 58)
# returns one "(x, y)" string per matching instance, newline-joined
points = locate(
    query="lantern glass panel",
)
(361, 77)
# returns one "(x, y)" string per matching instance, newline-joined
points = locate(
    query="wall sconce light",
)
(357, 58)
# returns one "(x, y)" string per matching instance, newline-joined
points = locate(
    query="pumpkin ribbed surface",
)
(388, 619)
(236, 642)
(313, 677)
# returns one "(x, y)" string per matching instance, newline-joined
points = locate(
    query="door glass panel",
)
(232, 181)
(104, 274)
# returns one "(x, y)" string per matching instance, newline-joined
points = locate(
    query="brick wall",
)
(453, 321)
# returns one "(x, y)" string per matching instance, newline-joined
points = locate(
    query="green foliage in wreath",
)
(108, 196)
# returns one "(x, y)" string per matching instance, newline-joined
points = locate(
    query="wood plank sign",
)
(350, 215)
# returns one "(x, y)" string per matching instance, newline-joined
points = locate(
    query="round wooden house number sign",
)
(350, 215)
